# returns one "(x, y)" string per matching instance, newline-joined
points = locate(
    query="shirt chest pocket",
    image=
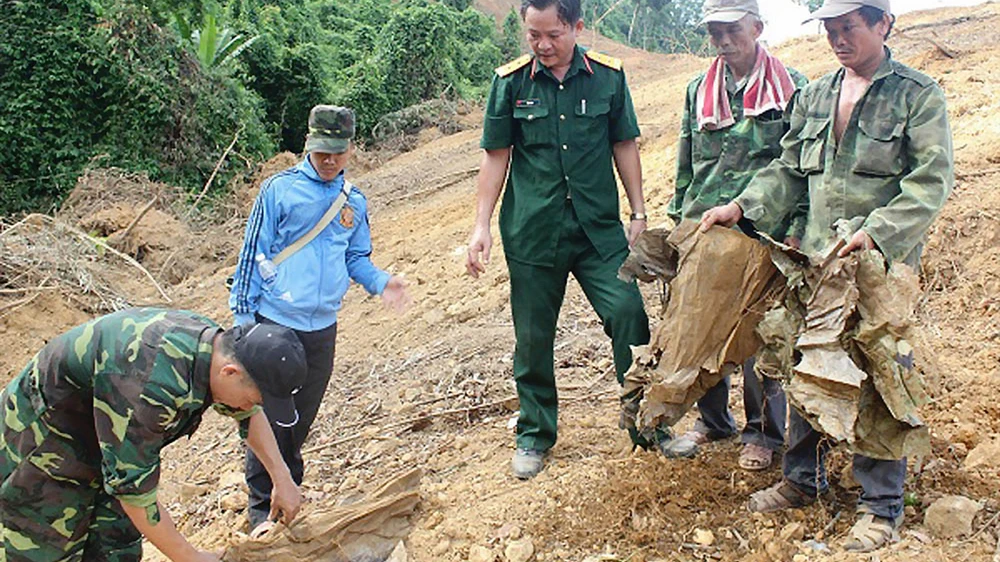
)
(813, 137)
(591, 120)
(880, 148)
(534, 125)
(765, 141)
(707, 145)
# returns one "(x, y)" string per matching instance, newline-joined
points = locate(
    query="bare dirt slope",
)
(432, 388)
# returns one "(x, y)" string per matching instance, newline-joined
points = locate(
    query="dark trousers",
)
(804, 465)
(763, 402)
(536, 295)
(319, 347)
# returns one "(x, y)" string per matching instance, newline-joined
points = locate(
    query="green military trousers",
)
(536, 295)
(52, 504)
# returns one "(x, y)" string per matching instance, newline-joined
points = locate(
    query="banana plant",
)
(214, 45)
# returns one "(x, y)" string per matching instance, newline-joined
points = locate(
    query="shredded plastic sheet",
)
(836, 331)
(366, 531)
(721, 283)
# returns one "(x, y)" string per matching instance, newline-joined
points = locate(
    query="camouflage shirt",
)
(893, 170)
(145, 372)
(714, 166)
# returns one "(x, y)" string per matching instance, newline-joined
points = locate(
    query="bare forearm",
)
(629, 166)
(489, 183)
(164, 535)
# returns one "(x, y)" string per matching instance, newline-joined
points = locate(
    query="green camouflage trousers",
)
(52, 504)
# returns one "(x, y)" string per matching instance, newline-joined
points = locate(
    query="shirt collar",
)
(579, 64)
(885, 68)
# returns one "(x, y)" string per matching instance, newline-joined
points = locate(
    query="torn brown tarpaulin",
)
(836, 331)
(366, 531)
(720, 284)
(851, 321)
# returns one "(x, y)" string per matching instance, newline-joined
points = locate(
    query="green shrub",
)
(121, 90)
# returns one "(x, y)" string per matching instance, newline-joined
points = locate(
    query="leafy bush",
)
(121, 90)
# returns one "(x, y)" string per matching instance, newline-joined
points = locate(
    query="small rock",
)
(232, 479)
(816, 546)
(190, 491)
(233, 501)
(478, 553)
(986, 455)
(441, 548)
(520, 550)
(704, 537)
(792, 532)
(951, 516)
(921, 537)
(800, 558)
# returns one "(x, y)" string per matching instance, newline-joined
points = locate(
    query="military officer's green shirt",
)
(146, 372)
(562, 136)
(893, 169)
(714, 166)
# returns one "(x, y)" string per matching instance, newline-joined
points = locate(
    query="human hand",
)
(635, 228)
(479, 243)
(285, 501)
(860, 241)
(793, 242)
(394, 294)
(206, 557)
(725, 215)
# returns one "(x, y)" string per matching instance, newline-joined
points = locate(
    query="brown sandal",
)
(872, 532)
(755, 457)
(783, 495)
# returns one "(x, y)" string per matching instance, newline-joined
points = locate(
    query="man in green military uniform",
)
(869, 142)
(734, 118)
(559, 118)
(82, 426)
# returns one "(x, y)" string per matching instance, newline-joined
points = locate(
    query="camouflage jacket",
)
(713, 167)
(893, 170)
(146, 373)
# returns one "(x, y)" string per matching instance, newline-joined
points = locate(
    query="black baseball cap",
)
(274, 358)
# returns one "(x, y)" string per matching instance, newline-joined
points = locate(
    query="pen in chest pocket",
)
(583, 106)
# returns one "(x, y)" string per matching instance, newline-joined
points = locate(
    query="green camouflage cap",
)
(836, 8)
(728, 11)
(331, 129)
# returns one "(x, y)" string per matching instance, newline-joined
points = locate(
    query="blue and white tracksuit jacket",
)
(307, 291)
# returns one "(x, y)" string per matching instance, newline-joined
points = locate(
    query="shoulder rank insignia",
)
(606, 60)
(513, 66)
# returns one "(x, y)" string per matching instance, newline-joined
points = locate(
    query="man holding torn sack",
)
(732, 127)
(869, 141)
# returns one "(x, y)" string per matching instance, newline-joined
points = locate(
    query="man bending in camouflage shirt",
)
(82, 426)
(870, 141)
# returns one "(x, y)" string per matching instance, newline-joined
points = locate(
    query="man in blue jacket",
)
(304, 291)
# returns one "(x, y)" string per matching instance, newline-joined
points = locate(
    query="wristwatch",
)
(637, 216)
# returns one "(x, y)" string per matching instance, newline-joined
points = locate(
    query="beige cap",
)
(837, 8)
(728, 11)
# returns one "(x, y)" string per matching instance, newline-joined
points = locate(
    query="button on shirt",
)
(562, 136)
